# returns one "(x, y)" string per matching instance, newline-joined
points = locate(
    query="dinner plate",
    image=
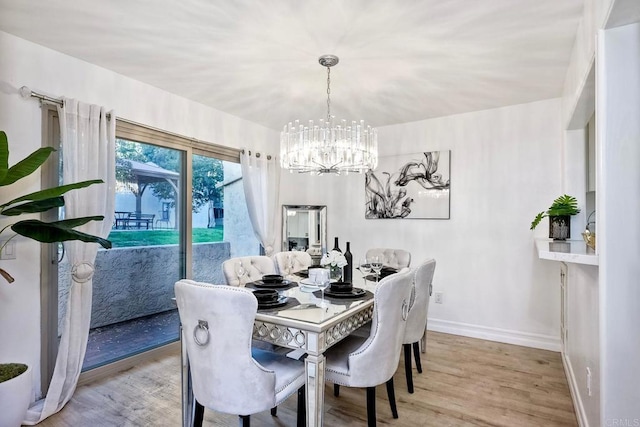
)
(308, 286)
(282, 301)
(272, 285)
(355, 293)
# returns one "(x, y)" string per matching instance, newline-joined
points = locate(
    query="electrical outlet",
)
(588, 381)
(8, 249)
(439, 296)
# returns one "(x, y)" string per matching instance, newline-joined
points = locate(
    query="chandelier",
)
(327, 146)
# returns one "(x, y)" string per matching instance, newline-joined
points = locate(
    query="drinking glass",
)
(376, 266)
(322, 282)
(365, 268)
(240, 271)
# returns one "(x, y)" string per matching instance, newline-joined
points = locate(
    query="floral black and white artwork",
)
(413, 186)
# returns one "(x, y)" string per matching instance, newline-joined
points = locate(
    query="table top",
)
(312, 313)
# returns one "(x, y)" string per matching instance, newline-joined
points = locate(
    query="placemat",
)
(365, 296)
(291, 302)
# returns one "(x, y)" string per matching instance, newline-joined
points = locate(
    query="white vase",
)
(15, 396)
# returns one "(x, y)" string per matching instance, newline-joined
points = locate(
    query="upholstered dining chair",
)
(417, 320)
(369, 361)
(227, 374)
(394, 258)
(254, 267)
(292, 261)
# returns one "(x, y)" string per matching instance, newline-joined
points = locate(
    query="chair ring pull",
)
(202, 325)
(405, 309)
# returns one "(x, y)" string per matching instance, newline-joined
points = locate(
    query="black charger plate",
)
(282, 301)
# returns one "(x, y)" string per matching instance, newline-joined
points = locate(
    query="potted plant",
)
(15, 378)
(559, 214)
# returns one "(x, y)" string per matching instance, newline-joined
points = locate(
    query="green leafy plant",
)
(40, 201)
(11, 370)
(563, 205)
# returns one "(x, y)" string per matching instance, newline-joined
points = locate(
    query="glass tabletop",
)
(312, 309)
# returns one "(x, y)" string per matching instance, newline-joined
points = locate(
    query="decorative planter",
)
(560, 227)
(15, 396)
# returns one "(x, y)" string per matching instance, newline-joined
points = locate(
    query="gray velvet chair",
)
(417, 320)
(369, 361)
(255, 267)
(227, 374)
(292, 260)
(394, 258)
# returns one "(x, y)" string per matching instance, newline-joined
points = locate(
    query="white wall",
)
(618, 113)
(505, 169)
(52, 73)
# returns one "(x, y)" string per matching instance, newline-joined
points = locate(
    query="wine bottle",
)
(347, 272)
(335, 246)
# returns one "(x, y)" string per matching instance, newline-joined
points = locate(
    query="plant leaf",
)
(27, 166)
(52, 192)
(52, 233)
(537, 220)
(33, 207)
(76, 222)
(4, 155)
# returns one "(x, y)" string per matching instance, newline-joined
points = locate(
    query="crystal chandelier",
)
(328, 147)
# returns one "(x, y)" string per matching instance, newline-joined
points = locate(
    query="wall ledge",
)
(573, 251)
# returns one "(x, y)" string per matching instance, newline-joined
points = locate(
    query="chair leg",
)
(416, 354)
(336, 390)
(407, 366)
(302, 407)
(391, 393)
(198, 415)
(274, 411)
(371, 406)
(244, 420)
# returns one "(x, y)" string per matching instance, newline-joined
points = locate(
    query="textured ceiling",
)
(400, 60)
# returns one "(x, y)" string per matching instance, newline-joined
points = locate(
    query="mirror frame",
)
(322, 210)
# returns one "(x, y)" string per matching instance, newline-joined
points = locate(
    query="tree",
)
(207, 172)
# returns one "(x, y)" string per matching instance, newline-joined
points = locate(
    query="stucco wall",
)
(136, 282)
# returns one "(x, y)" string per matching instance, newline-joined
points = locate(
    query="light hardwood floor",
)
(465, 382)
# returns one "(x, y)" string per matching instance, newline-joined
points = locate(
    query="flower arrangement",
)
(333, 259)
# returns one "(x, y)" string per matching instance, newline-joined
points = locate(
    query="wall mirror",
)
(304, 228)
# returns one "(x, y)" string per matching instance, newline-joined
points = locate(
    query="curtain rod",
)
(25, 92)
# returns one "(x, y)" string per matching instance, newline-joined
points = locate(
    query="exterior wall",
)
(237, 226)
(135, 282)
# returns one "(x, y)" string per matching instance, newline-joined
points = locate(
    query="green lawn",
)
(126, 238)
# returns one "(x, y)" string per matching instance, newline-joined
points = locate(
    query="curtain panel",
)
(88, 151)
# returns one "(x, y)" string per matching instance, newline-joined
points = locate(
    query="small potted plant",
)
(15, 378)
(559, 214)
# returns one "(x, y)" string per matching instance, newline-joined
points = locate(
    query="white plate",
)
(307, 285)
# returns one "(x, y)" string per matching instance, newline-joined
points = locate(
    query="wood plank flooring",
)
(465, 382)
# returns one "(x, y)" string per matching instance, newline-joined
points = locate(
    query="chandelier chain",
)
(328, 94)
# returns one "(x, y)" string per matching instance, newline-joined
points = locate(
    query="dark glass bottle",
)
(347, 272)
(335, 245)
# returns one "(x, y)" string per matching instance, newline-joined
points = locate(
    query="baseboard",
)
(581, 415)
(507, 336)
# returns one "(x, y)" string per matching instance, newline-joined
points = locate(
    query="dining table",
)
(308, 322)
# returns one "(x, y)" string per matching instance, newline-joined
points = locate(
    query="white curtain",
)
(88, 148)
(261, 181)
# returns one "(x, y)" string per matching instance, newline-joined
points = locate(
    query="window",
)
(180, 212)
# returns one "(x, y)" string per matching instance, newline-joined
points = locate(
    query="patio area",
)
(114, 342)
